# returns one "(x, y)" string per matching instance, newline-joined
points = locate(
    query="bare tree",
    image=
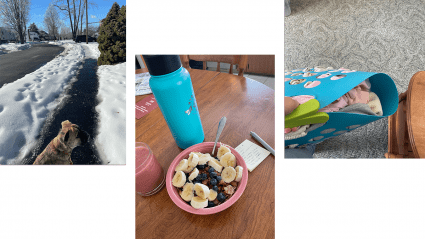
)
(15, 13)
(92, 30)
(65, 33)
(74, 10)
(52, 21)
(82, 17)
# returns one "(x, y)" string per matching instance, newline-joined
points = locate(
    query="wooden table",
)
(143, 70)
(248, 106)
(406, 128)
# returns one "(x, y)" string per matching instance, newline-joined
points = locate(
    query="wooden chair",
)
(142, 64)
(406, 130)
(240, 60)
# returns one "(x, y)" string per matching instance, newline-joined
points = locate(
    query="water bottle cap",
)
(162, 64)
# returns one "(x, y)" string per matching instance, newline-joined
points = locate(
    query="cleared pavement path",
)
(79, 108)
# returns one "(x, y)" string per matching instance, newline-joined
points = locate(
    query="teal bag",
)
(333, 85)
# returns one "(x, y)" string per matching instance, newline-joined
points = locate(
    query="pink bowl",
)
(205, 147)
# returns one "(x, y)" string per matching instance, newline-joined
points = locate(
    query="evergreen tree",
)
(122, 32)
(33, 28)
(112, 37)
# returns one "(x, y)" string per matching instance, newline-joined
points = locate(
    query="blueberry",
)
(213, 175)
(215, 188)
(211, 204)
(200, 167)
(213, 181)
(196, 181)
(221, 197)
(198, 178)
(210, 170)
(203, 176)
(218, 178)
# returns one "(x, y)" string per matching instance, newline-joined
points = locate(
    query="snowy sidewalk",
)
(26, 104)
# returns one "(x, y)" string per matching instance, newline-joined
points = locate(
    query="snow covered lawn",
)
(111, 139)
(25, 104)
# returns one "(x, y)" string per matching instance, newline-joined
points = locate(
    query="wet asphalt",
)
(79, 108)
(16, 65)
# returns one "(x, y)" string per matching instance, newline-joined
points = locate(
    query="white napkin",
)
(142, 84)
(252, 154)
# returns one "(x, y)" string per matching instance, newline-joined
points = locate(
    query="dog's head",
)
(72, 136)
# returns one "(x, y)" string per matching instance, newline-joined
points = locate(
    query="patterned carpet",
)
(378, 35)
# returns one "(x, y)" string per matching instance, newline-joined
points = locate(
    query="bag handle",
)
(306, 114)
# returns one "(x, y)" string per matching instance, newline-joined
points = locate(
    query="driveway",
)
(17, 64)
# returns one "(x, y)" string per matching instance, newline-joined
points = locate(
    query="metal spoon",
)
(220, 128)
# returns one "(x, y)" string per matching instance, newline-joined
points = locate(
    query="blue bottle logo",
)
(192, 105)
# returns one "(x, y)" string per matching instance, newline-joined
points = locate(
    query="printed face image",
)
(296, 82)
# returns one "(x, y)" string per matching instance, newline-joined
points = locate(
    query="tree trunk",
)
(70, 20)
(21, 36)
(81, 22)
(75, 22)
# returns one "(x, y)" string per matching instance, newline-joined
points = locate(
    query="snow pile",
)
(11, 47)
(94, 48)
(25, 103)
(60, 43)
(111, 139)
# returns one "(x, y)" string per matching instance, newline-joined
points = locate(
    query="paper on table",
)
(142, 84)
(252, 154)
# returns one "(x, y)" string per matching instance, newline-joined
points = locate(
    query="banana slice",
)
(202, 190)
(193, 153)
(189, 168)
(215, 164)
(198, 202)
(228, 174)
(239, 172)
(193, 161)
(187, 193)
(228, 159)
(179, 179)
(193, 174)
(212, 196)
(222, 151)
(182, 165)
(204, 158)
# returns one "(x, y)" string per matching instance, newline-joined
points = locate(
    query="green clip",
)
(306, 114)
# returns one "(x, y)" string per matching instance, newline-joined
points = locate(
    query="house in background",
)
(7, 35)
(33, 36)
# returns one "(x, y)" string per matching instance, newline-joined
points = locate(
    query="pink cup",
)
(150, 176)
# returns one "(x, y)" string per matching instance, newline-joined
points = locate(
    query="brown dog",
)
(58, 151)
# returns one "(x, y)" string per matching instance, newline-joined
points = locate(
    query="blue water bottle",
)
(172, 87)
